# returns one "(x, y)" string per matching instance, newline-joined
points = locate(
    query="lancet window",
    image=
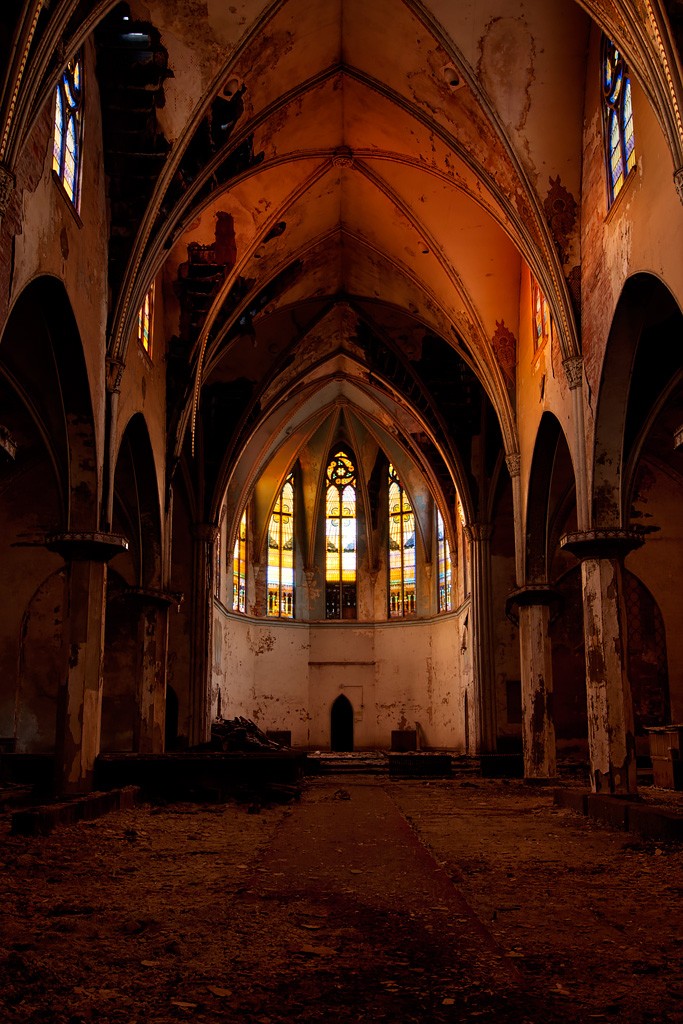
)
(145, 321)
(340, 538)
(402, 570)
(618, 118)
(280, 577)
(239, 568)
(445, 598)
(66, 146)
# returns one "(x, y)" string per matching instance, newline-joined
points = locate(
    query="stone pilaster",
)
(152, 608)
(513, 462)
(79, 704)
(483, 715)
(532, 604)
(201, 640)
(610, 707)
(573, 368)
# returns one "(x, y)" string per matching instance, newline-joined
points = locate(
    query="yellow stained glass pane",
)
(239, 567)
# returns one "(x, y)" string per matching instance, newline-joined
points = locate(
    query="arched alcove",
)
(48, 486)
(133, 576)
(341, 724)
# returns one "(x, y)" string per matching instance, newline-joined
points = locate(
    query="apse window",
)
(66, 146)
(542, 321)
(445, 593)
(340, 538)
(618, 118)
(280, 575)
(145, 322)
(401, 550)
(239, 567)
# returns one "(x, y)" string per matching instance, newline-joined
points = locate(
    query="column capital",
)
(7, 443)
(7, 183)
(479, 531)
(152, 595)
(529, 594)
(114, 368)
(205, 531)
(678, 182)
(513, 462)
(86, 547)
(601, 542)
(573, 368)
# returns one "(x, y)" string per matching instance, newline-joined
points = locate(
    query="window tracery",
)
(340, 538)
(618, 117)
(280, 573)
(66, 145)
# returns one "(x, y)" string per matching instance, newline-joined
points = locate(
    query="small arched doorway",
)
(341, 724)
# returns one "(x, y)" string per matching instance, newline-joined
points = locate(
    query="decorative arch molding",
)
(645, 302)
(550, 440)
(41, 351)
(136, 501)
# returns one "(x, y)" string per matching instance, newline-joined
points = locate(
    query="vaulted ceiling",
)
(338, 200)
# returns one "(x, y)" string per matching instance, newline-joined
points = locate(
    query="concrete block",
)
(610, 810)
(655, 823)
(573, 799)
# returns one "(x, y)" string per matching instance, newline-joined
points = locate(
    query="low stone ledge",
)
(633, 815)
(40, 821)
(610, 810)
(655, 823)
(572, 799)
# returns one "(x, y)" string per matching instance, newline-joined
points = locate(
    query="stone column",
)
(573, 368)
(611, 732)
(513, 463)
(538, 729)
(79, 703)
(201, 640)
(483, 713)
(153, 607)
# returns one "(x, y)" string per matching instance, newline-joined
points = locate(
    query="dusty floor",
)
(371, 900)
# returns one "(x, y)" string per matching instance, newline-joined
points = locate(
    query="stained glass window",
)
(618, 114)
(217, 566)
(280, 577)
(340, 537)
(445, 568)
(66, 145)
(239, 568)
(401, 550)
(145, 321)
(542, 322)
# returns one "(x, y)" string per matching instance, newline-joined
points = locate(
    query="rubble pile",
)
(241, 734)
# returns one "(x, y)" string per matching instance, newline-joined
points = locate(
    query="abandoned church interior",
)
(340, 377)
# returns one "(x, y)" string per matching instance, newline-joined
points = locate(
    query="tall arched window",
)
(401, 550)
(445, 568)
(618, 116)
(340, 537)
(239, 568)
(66, 145)
(280, 577)
(145, 321)
(542, 321)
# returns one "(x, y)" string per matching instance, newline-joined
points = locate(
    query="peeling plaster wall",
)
(55, 240)
(287, 675)
(641, 231)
